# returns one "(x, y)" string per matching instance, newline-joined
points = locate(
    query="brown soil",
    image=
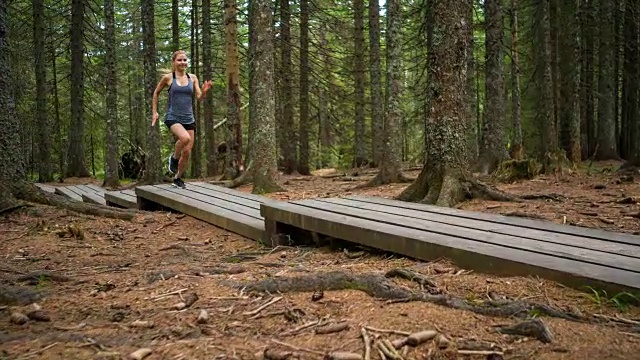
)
(117, 270)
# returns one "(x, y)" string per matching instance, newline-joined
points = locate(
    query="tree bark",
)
(377, 121)
(440, 181)
(492, 148)
(287, 130)
(76, 165)
(111, 140)
(234, 142)
(42, 114)
(263, 167)
(569, 85)
(305, 123)
(210, 138)
(390, 168)
(606, 78)
(359, 139)
(516, 106)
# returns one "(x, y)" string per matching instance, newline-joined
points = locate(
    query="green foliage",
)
(621, 301)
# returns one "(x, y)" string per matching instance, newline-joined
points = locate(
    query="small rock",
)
(140, 354)
(203, 317)
(38, 315)
(118, 316)
(19, 318)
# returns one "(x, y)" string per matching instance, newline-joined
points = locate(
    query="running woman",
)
(179, 117)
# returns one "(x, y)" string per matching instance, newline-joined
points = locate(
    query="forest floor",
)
(97, 288)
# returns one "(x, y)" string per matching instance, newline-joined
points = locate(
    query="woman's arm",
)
(154, 103)
(196, 86)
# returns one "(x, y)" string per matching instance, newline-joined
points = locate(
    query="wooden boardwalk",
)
(121, 198)
(88, 193)
(482, 242)
(233, 210)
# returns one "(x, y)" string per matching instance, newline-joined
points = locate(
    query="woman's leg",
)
(183, 146)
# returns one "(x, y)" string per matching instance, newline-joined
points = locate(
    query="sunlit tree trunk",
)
(234, 142)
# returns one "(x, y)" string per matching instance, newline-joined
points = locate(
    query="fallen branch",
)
(531, 328)
(298, 348)
(416, 277)
(333, 328)
(367, 343)
(301, 327)
(272, 301)
(378, 286)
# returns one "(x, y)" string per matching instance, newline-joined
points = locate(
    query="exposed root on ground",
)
(31, 193)
(245, 178)
(480, 190)
(376, 285)
(383, 178)
(448, 189)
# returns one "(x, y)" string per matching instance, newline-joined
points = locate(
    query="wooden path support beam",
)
(573, 256)
(121, 198)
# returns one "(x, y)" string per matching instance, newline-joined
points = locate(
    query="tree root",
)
(378, 286)
(480, 190)
(31, 193)
(245, 178)
(531, 328)
(384, 178)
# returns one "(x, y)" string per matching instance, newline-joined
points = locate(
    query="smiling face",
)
(180, 61)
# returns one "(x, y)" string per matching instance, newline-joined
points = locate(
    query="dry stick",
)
(272, 301)
(386, 331)
(367, 343)
(480, 352)
(301, 327)
(158, 297)
(310, 351)
(28, 355)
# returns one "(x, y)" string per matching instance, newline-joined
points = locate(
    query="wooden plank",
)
(228, 205)
(97, 189)
(242, 194)
(224, 196)
(46, 188)
(544, 225)
(93, 198)
(534, 234)
(515, 242)
(129, 192)
(121, 199)
(69, 192)
(244, 225)
(470, 254)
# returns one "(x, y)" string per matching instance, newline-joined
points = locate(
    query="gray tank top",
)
(179, 106)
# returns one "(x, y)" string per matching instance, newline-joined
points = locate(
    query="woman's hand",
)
(206, 86)
(154, 119)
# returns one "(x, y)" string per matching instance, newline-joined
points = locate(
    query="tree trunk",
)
(76, 166)
(153, 163)
(358, 33)
(440, 181)
(263, 166)
(492, 148)
(569, 86)
(111, 141)
(516, 107)
(606, 79)
(544, 85)
(210, 138)
(377, 123)
(234, 142)
(587, 122)
(392, 155)
(41, 114)
(175, 27)
(472, 95)
(305, 123)
(630, 110)
(287, 130)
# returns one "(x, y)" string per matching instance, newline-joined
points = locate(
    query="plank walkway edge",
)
(425, 246)
(252, 228)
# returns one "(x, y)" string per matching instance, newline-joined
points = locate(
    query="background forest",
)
(544, 75)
